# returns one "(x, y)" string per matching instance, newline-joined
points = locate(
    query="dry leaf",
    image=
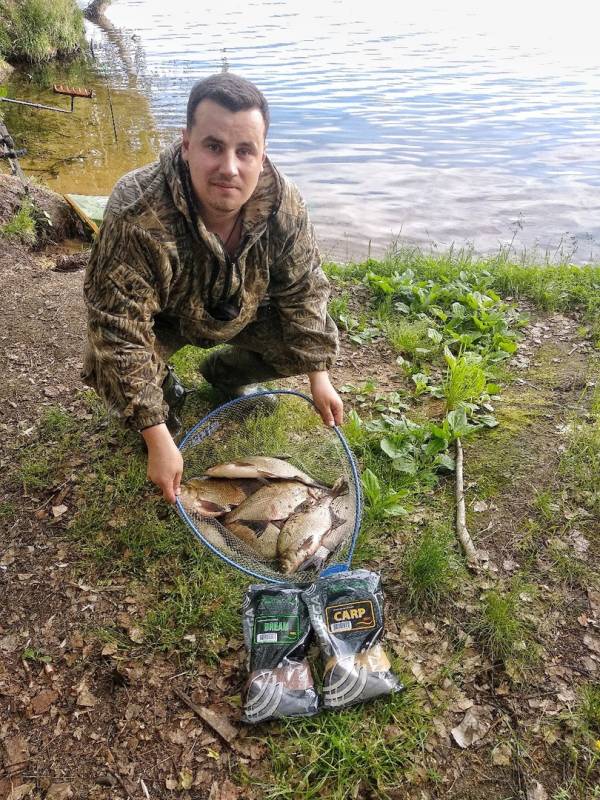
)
(474, 726)
(136, 635)
(502, 755)
(84, 697)
(42, 702)
(537, 792)
(185, 779)
(59, 791)
(17, 755)
(479, 506)
(21, 791)
(171, 784)
(58, 511)
(592, 642)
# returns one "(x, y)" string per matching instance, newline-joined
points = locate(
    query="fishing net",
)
(320, 476)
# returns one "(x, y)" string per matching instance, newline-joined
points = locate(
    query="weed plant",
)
(22, 225)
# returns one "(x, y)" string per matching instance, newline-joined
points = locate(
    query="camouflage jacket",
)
(155, 261)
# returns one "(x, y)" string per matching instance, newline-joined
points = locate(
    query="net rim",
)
(288, 579)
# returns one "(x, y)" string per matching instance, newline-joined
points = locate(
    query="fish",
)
(341, 509)
(262, 468)
(212, 497)
(272, 502)
(301, 535)
(260, 536)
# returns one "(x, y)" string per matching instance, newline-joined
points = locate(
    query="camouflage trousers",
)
(256, 354)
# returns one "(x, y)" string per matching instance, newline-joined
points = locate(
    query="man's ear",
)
(185, 143)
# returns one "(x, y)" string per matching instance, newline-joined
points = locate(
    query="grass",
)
(499, 626)
(22, 225)
(430, 567)
(192, 601)
(330, 756)
(37, 31)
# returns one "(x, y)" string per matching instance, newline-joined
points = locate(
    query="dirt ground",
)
(84, 721)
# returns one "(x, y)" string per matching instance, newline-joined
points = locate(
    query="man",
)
(210, 244)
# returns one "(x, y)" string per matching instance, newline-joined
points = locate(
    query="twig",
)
(112, 114)
(121, 781)
(220, 725)
(461, 523)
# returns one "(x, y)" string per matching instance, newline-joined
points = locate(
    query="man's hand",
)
(165, 462)
(327, 400)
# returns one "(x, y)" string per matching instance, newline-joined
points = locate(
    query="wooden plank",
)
(89, 208)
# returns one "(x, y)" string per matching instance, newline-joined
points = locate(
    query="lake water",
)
(430, 123)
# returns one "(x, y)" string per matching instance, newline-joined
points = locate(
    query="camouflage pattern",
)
(158, 280)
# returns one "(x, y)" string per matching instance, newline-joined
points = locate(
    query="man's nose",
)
(228, 164)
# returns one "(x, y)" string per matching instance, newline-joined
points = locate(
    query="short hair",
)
(231, 92)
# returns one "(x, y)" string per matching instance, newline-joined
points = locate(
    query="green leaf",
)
(445, 461)
(393, 449)
(492, 388)
(488, 420)
(406, 464)
(507, 345)
(395, 511)
(457, 422)
(435, 336)
(450, 359)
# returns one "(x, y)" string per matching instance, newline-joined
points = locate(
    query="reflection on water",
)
(445, 123)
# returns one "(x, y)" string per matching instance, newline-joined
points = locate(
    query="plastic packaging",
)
(346, 613)
(277, 633)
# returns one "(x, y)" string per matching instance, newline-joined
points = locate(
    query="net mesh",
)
(250, 511)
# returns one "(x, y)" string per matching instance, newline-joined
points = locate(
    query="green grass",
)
(22, 225)
(407, 337)
(430, 567)
(37, 31)
(330, 755)
(499, 627)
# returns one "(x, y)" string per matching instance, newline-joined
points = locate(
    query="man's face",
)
(225, 151)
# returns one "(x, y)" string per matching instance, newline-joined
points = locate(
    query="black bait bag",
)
(276, 633)
(346, 612)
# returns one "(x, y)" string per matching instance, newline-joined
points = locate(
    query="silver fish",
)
(275, 501)
(260, 536)
(261, 467)
(301, 535)
(341, 509)
(211, 497)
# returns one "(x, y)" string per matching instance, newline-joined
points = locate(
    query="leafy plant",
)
(382, 502)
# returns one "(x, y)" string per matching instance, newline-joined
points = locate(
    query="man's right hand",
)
(165, 462)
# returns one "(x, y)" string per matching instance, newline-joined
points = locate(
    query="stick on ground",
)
(461, 522)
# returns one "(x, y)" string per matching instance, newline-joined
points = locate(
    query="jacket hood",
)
(262, 204)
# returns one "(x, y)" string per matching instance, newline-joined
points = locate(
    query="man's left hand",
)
(328, 402)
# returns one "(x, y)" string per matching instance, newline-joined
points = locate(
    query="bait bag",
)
(346, 612)
(276, 633)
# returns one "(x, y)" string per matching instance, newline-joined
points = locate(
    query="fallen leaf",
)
(474, 726)
(21, 791)
(42, 702)
(583, 620)
(136, 635)
(17, 755)
(592, 642)
(594, 600)
(185, 779)
(84, 697)
(479, 506)
(502, 755)
(171, 784)
(59, 791)
(109, 649)
(536, 792)
(58, 511)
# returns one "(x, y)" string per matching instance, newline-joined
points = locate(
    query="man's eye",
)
(213, 147)
(244, 152)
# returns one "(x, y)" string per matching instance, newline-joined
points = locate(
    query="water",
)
(439, 124)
